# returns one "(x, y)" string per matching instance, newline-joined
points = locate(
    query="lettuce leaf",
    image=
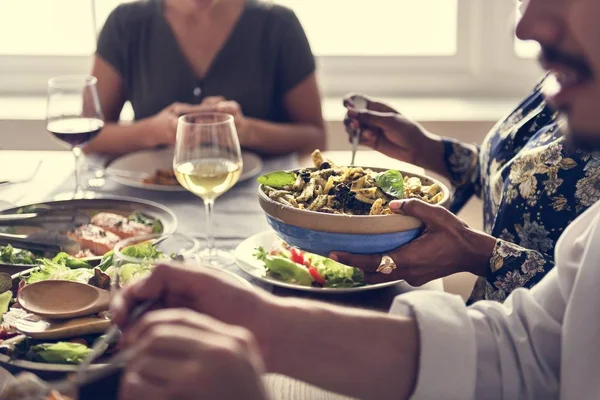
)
(277, 179)
(144, 250)
(5, 299)
(336, 274)
(61, 352)
(11, 255)
(392, 183)
(129, 273)
(157, 226)
(53, 270)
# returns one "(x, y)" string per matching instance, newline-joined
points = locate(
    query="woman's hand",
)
(181, 354)
(447, 246)
(384, 129)
(233, 108)
(162, 127)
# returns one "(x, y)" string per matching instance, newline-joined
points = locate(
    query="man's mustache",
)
(553, 56)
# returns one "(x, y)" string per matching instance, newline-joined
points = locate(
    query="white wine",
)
(209, 177)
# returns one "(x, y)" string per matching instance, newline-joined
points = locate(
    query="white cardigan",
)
(542, 343)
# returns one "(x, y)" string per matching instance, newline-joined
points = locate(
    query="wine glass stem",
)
(210, 239)
(77, 155)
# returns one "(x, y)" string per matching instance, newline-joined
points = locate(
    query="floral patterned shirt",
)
(533, 184)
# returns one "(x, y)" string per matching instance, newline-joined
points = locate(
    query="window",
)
(359, 28)
(525, 49)
(54, 28)
(383, 47)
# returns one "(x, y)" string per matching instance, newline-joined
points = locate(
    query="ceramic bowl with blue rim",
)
(322, 233)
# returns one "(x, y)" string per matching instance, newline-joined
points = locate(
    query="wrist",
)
(265, 325)
(150, 133)
(247, 133)
(432, 154)
(481, 251)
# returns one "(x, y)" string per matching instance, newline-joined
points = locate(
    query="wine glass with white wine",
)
(208, 162)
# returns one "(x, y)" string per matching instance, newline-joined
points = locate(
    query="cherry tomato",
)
(316, 276)
(297, 256)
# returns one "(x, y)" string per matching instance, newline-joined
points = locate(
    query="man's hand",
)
(181, 354)
(447, 246)
(203, 290)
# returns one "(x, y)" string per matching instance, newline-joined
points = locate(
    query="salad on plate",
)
(291, 265)
(66, 267)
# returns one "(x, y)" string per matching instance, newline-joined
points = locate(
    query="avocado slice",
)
(288, 270)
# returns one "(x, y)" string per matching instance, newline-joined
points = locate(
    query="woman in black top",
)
(170, 57)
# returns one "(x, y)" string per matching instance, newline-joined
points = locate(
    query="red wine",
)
(75, 131)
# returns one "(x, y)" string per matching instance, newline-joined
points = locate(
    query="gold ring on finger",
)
(387, 265)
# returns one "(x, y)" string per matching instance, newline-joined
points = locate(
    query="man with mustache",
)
(540, 344)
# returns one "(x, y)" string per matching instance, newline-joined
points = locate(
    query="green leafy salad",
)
(291, 265)
(66, 267)
(11, 255)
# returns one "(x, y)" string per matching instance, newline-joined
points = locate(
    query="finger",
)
(373, 278)
(180, 109)
(160, 369)
(375, 119)
(172, 317)
(134, 387)
(431, 215)
(168, 341)
(366, 262)
(194, 287)
(212, 100)
(381, 107)
(153, 287)
(230, 107)
(351, 99)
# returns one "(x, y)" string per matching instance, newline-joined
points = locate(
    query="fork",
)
(84, 373)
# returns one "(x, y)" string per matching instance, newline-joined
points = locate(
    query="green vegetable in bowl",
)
(277, 179)
(392, 183)
(144, 250)
(61, 352)
(157, 226)
(70, 261)
(11, 255)
(107, 260)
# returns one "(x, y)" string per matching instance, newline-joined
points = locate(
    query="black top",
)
(265, 55)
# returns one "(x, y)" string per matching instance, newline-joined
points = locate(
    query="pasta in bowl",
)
(331, 207)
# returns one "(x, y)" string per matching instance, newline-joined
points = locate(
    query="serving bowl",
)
(321, 233)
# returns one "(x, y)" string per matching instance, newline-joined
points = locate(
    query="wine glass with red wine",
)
(74, 117)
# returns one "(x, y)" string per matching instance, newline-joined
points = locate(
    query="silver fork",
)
(86, 373)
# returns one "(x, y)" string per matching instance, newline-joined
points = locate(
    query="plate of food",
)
(153, 170)
(267, 258)
(345, 208)
(95, 225)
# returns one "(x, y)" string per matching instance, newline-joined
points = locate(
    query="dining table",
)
(237, 217)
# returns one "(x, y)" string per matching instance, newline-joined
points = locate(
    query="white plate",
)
(244, 255)
(148, 161)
